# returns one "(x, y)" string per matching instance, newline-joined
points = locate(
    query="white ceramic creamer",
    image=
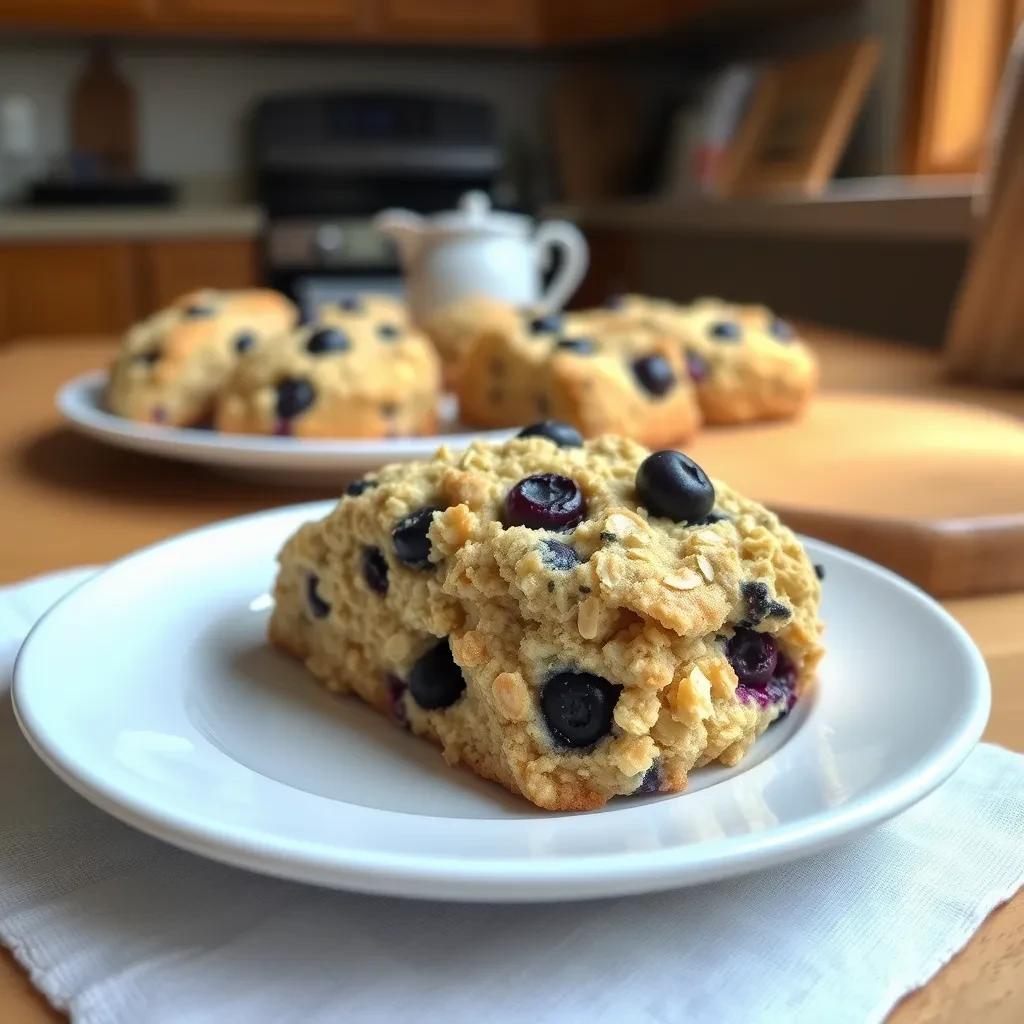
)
(475, 250)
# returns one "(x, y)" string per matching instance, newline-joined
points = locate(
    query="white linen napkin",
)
(117, 927)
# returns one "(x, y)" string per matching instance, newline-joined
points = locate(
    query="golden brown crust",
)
(748, 365)
(172, 364)
(385, 383)
(515, 377)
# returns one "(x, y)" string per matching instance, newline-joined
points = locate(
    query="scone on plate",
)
(354, 372)
(747, 363)
(172, 364)
(455, 328)
(608, 375)
(574, 620)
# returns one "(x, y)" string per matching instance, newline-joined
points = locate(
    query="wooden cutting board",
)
(933, 490)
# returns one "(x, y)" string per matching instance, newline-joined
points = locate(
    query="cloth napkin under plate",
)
(116, 927)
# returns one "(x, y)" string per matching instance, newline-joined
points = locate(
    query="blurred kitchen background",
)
(819, 156)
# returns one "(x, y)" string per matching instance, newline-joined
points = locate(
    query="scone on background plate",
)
(358, 371)
(455, 328)
(600, 374)
(747, 363)
(574, 620)
(172, 364)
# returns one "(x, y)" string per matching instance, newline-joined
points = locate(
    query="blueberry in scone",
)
(576, 622)
(172, 364)
(356, 370)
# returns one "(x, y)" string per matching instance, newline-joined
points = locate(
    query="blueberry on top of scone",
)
(560, 433)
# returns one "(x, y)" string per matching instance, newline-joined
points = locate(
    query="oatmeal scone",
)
(350, 373)
(172, 364)
(612, 375)
(747, 363)
(574, 620)
(455, 328)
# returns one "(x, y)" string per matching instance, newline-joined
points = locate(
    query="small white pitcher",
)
(476, 251)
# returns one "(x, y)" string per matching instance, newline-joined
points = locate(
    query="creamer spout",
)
(406, 229)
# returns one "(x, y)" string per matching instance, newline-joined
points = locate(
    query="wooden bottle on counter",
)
(103, 117)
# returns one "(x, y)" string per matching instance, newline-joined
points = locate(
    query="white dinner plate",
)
(285, 460)
(151, 690)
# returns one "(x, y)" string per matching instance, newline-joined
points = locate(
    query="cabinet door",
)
(171, 268)
(959, 57)
(87, 13)
(68, 288)
(458, 20)
(577, 21)
(290, 14)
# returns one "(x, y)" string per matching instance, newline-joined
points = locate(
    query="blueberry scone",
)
(576, 620)
(455, 328)
(351, 373)
(172, 364)
(747, 363)
(612, 375)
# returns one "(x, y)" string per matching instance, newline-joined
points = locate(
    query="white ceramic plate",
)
(151, 690)
(285, 460)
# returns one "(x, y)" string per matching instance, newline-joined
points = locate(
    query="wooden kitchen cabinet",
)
(171, 268)
(69, 288)
(292, 17)
(514, 23)
(84, 14)
(459, 20)
(100, 287)
(338, 10)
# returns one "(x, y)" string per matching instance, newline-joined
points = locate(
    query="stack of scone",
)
(640, 367)
(644, 367)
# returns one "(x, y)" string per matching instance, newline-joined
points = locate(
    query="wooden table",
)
(67, 501)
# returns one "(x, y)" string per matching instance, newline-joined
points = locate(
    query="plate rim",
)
(575, 876)
(189, 444)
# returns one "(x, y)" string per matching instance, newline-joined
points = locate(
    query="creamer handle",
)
(560, 235)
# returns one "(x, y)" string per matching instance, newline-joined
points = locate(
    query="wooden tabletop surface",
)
(65, 500)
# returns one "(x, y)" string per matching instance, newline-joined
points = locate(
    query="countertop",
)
(68, 500)
(59, 224)
(861, 208)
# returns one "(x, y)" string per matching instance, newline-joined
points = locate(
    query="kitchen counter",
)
(68, 500)
(59, 224)
(859, 208)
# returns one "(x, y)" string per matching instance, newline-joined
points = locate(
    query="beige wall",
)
(193, 100)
